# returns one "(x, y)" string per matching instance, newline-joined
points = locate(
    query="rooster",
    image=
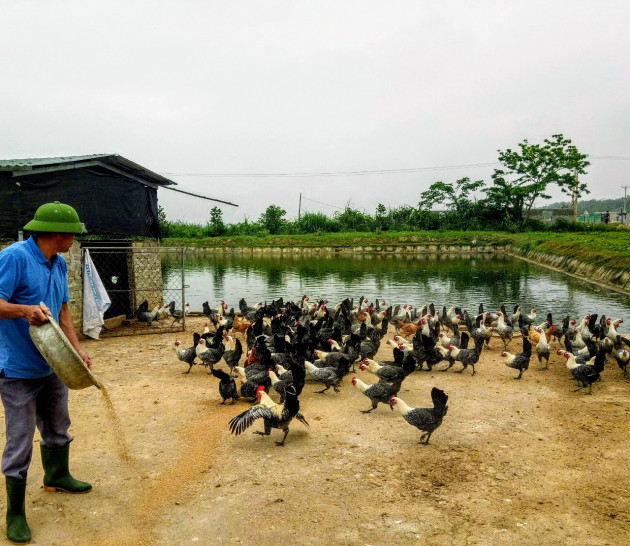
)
(519, 361)
(277, 416)
(377, 392)
(425, 419)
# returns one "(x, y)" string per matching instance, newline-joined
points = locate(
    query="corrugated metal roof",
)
(41, 161)
(114, 161)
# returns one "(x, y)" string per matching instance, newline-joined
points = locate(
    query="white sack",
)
(95, 299)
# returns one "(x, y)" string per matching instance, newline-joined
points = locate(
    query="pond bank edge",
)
(606, 277)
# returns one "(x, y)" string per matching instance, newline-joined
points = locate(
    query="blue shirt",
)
(28, 278)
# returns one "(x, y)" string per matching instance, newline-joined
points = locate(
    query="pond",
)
(416, 280)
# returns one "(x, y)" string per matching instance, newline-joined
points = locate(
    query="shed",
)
(113, 195)
(116, 199)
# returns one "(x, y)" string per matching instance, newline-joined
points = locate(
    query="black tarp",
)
(107, 203)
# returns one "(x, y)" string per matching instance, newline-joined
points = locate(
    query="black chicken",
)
(227, 385)
(425, 419)
(274, 415)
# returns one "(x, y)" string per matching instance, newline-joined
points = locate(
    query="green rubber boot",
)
(18, 530)
(56, 474)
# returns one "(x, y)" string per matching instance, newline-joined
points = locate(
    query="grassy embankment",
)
(609, 249)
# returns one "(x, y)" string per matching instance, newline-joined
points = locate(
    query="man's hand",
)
(86, 358)
(36, 314)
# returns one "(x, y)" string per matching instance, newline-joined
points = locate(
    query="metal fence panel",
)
(146, 286)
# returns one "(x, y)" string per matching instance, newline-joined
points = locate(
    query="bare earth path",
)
(515, 462)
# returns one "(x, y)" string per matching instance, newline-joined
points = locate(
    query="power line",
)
(364, 172)
(338, 173)
(320, 203)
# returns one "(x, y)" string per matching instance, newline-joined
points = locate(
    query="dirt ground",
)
(514, 462)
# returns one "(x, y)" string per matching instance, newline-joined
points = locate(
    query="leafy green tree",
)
(454, 196)
(526, 174)
(272, 219)
(216, 225)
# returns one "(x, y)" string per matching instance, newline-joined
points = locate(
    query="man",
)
(33, 285)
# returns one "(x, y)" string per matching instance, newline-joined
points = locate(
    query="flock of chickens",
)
(288, 342)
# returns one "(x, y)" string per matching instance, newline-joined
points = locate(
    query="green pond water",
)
(415, 280)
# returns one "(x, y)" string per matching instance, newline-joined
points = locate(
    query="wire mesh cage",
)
(146, 288)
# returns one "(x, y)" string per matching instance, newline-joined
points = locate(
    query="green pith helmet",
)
(55, 218)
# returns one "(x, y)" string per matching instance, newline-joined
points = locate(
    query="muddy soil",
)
(514, 462)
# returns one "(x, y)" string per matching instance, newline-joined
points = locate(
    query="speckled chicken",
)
(377, 392)
(519, 361)
(425, 419)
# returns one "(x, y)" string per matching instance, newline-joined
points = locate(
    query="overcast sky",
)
(271, 87)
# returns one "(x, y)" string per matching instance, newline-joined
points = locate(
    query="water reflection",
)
(442, 279)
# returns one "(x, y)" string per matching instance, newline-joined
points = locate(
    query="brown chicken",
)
(240, 324)
(409, 329)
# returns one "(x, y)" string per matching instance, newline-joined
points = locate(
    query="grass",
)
(608, 249)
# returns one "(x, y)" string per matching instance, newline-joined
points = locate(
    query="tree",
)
(272, 220)
(526, 175)
(453, 196)
(381, 211)
(216, 225)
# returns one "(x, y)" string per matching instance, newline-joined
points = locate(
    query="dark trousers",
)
(28, 403)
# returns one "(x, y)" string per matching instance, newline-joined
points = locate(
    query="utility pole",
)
(574, 197)
(300, 208)
(625, 188)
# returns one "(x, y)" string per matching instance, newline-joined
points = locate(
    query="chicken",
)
(622, 356)
(468, 357)
(278, 416)
(227, 385)
(384, 373)
(584, 374)
(144, 315)
(177, 314)
(425, 419)
(209, 356)
(233, 352)
(331, 377)
(285, 375)
(408, 329)
(377, 392)
(519, 361)
(454, 340)
(187, 355)
(505, 331)
(249, 385)
(279, 385)
(543, 349)
(240, 325)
